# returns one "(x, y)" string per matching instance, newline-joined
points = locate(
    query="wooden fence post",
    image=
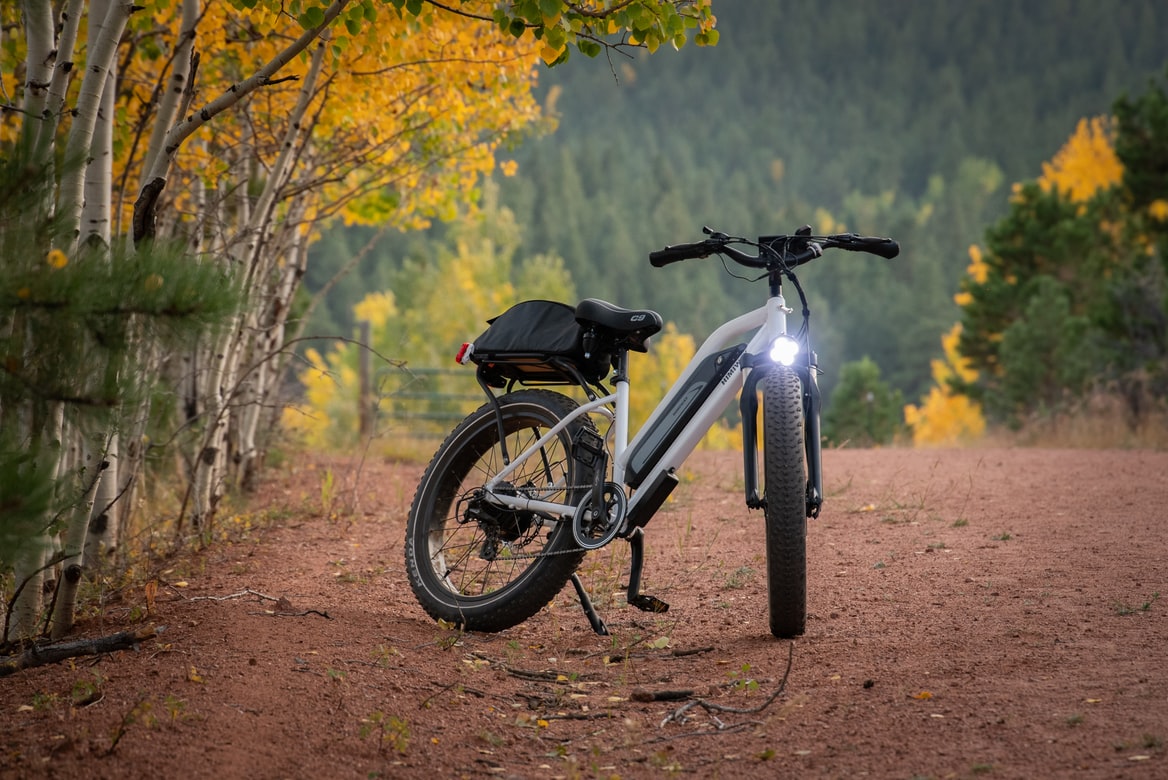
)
(364, 372)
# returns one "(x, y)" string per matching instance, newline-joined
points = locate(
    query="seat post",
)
(621, 380)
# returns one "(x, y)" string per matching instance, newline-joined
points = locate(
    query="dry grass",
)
(1100, 422)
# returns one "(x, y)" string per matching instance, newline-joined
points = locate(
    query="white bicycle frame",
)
(768, 322)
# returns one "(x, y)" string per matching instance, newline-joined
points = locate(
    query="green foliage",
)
(26, 496)
(1044, 235)
(863, 409)
(1140, 145)
(648, 149)
(591, 26)
(1073, 291)
(1044, 355)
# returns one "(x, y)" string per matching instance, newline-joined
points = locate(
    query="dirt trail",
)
(973, 613)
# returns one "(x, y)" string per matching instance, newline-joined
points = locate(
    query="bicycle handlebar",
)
(784, 251)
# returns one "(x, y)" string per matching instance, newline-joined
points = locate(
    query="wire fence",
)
(422, 403)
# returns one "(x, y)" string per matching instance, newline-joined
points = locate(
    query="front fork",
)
(748, 406)
(809, 377)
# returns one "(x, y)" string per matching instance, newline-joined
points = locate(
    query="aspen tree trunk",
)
(38, 20)
(133, 443)
(85, 200)
(96, 226)
(272, 339)
(274, 287)
(68, 22)
(128, 449)
(204, 485)
(105, 31)
(73, 538)
(216, 383)
(28, 570)
(178, 89)
(104, 534)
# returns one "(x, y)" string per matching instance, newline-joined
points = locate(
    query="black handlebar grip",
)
(677, 253)
(883, 247)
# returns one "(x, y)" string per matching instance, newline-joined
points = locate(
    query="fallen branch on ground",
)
(230, 596)
(639, 694)
(43, 655)
(283, 605)
(678, 715)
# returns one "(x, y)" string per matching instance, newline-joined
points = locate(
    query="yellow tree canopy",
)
(945, 417)
(404, 117)
(1086, 163)
(412, 101)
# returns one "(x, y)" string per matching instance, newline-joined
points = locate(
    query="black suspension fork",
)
(748, 407)
(808, 377)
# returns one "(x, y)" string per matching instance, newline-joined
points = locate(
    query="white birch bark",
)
(39, 60)
(273, 339)
(97, 188)
(96, 230)
(178, 88)
(215, 383)
(104, 533)
(73, 538)
(99, 472)
(28, 571)
(69, 22)
(105, 33)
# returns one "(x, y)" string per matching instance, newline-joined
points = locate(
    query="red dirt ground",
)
(972, 613)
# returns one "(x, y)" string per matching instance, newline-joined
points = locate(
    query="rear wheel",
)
(479, 565)
(786, 502)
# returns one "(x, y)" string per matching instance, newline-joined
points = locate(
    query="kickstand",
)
(589, 610)
(637, 555)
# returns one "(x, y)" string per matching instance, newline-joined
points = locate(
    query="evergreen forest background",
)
(910, 119)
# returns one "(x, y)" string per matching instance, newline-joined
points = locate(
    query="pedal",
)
(648, 603)
(637, 560)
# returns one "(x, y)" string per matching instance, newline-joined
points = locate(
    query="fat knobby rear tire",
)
(473, 563)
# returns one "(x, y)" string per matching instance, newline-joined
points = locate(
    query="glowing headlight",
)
(784, 349)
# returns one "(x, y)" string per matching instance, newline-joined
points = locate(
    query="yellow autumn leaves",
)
(1087, 162)
(945, 417)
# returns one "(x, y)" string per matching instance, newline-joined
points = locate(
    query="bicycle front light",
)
(784, 349)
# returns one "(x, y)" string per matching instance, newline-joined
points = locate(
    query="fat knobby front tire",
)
(473, 562)
(786, 502)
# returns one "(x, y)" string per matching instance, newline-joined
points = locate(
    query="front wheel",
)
(786, 502)
(473, 562)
